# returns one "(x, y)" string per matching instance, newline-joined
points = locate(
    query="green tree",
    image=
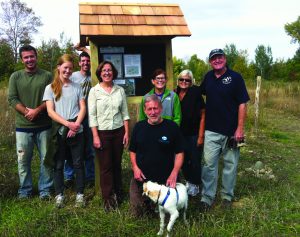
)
(49, 52)
(263, 61)
(294, 67)
(293, 30)
(6, 60)
(198, 67)
(178, 66)
(67, 46)
(242, 66)
(18, 24)
(232, 54)
(280, 70)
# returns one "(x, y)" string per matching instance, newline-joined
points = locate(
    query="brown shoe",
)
(204, 207)
(110, 205)
(226, 204)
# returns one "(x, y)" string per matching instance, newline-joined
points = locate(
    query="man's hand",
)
(138, 174)
(239, 135)
(31, 114)
(171, 181)
(200, 141)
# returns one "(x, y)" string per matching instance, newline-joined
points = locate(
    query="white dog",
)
(169, 200)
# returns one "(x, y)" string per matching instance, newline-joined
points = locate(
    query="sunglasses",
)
(185, 80)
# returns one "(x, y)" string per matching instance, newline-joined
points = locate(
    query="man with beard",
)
(33, 126)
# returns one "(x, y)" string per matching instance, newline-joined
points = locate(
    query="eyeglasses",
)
(185, 80)
(160, 78)
(106, 70)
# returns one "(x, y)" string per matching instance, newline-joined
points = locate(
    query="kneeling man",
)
(156, 153)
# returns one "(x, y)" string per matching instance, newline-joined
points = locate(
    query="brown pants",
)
(139, 204)
(110, 159)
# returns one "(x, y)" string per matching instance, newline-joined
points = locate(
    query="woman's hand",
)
(125, 140)
(96, 142)
(71, 133)
(73, 126)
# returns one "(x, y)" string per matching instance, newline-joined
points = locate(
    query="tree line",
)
(19, 23)
(263, 65)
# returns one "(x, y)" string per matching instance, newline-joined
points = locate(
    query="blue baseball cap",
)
(216, 52)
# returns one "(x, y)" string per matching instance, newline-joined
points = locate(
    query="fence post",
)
(256, 105)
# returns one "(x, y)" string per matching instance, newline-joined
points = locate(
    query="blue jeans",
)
(89, 154)
(215, 145)
(25, 144)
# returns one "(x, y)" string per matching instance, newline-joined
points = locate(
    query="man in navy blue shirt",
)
(226, 98)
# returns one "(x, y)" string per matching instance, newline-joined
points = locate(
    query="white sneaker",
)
(59, 201)
(79, 202)
(187, 185)
(192, 189)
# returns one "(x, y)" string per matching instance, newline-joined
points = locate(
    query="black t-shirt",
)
(223, 97)
(155, 147)
(191, 106)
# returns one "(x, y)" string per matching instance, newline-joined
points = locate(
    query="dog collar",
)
(167, 196)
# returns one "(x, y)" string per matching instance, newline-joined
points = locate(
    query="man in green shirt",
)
(25, 93)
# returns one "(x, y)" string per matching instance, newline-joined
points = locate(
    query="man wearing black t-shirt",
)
(156, 153)
(226, 98)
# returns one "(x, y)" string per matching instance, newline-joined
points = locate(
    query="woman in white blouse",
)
(108, 118)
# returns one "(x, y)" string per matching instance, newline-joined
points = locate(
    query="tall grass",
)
(262, 207)
(281, 97)
(7, 118)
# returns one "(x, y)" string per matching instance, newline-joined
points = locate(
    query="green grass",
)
(263, 207)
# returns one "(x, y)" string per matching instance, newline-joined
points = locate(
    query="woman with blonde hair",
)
(192, 128)
(66, 106)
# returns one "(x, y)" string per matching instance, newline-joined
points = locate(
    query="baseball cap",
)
(216, 52)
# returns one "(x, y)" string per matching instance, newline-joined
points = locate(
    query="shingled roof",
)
(131, 19)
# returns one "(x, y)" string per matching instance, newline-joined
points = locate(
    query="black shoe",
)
(226, 204)
(204, 207)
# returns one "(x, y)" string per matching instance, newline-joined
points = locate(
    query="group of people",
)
(176, 127)
(71, 123)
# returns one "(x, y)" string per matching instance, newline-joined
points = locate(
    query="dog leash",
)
(167, 196)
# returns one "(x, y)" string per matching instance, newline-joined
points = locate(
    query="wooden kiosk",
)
(136, 37)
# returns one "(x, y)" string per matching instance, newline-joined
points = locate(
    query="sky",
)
(213, 24)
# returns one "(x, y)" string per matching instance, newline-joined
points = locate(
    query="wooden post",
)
(94, 65)
(256, 105)
(169, 65)
(94, 61)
